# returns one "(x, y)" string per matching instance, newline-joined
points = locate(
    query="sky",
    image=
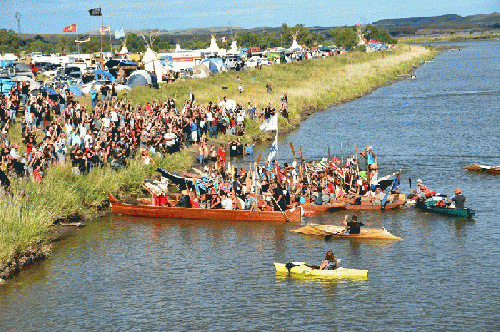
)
(50, 16)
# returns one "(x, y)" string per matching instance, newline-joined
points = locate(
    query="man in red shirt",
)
(221, 155)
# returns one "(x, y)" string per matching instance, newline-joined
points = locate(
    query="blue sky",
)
(50, 16)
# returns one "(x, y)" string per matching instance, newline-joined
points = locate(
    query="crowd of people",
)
(274, 187)
(57, 128)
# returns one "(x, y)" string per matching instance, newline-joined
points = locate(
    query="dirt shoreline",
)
(68, 225)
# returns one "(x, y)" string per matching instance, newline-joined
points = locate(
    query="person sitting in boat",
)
(459, 199)
(250, 202)
(215, 202)
(195, 202)
(353, 226)
(424, 192)
(226, 201)
(378, 196)
(330, 263)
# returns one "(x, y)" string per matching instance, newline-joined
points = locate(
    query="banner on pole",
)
(70, 28)
(120, 33)
(104, 29)
(95, 12)
(83, 39)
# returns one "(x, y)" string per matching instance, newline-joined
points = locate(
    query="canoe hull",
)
(483, 168)
(302, 270)
(388, 206)
(337, 232)
(151, 211)
(464, 213)
(324, 207)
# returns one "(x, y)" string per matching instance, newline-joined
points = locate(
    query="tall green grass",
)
(311, 85)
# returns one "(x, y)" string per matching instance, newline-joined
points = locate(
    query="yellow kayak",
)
(338, 232)
(307, 270)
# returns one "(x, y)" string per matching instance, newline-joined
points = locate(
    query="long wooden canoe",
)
(144, 210)
(483, 168)
(338, 232)
(324, 207)
(388, 206)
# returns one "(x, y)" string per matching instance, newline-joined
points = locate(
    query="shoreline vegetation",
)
(448, 38)
(27, 223)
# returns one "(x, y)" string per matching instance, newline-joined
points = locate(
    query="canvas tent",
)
(153, 64)
(201, 71)
(139, 78)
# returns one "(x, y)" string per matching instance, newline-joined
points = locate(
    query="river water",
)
(122, 273)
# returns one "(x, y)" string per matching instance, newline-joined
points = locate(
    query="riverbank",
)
(313, 85)
(448, 38)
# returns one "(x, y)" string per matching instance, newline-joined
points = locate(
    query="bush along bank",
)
(26, 220)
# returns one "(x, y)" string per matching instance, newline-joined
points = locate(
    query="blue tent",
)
(76, 90)
(104, 74)
(211, 66)
(139, 78)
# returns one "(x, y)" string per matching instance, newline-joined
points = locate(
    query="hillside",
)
(444, 23)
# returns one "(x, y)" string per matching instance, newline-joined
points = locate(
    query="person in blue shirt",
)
(93, 95)
(249, 149)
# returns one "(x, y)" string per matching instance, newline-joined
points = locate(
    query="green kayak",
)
(430, 206)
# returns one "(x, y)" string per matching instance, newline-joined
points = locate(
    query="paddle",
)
(279, 207)
(293, 150)
(409, 180)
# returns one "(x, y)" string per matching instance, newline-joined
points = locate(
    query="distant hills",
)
(440, 24)
(450, 24)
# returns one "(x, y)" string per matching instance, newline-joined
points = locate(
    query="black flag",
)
(95, 12)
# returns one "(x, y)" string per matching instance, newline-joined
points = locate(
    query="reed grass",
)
(311, 85)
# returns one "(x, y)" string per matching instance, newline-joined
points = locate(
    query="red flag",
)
(71, 28)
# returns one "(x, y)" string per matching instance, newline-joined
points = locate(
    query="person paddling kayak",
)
(353, 226)
(330, 263)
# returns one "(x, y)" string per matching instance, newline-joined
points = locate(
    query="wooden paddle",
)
(279, 207)
(293, 150)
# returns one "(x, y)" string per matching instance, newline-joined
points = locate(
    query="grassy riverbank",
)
(448, 38)
(26, 223)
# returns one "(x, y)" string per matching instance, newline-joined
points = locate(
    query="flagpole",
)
(100, 31)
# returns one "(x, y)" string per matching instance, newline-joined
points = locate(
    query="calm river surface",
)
(121, 273)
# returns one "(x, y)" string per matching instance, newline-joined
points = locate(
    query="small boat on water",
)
(301, 269)
(151, 211)
(483, 168)
(338, 232)
(431, 206)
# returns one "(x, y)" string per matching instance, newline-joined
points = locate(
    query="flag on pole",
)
(83, 39)
(395, 183)
(270, 124)
(104, 29)
(120, 33)
(274, 149)
(70, 28)
(95, 12)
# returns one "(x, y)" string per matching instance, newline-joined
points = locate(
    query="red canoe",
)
(388, 206)
(324, 207)
(143, 210)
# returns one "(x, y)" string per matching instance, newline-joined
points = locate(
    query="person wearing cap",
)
(459, 199)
